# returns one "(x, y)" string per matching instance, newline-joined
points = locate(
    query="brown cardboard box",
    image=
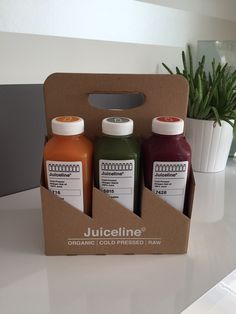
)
(113, 229)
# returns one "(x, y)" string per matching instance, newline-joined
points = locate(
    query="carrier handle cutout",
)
(116, 101)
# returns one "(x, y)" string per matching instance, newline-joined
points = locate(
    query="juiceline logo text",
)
(119, 232)
(117, 166)
(121, 236)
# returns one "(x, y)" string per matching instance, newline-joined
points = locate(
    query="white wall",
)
(31, 58)
(115, 20)
(104, 35)
(225, 9)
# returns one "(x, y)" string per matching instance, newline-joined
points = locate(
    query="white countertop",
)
(221, 299)
(31, 283)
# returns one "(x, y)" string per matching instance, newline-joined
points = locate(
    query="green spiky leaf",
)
(212, 95)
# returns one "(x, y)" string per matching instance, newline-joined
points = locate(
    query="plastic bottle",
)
(117, 162)
(68, 162)
(167, 160)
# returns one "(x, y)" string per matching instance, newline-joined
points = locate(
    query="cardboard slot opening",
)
(116, 101)
(146, 194)
(187, 204)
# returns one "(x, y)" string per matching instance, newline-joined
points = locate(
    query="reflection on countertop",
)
(209, 196)
(212, 193)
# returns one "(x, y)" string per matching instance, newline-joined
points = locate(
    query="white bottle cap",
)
(67, 125)
(117, 126)
(167, 125)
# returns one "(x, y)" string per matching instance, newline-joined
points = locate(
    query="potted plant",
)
(211, 115)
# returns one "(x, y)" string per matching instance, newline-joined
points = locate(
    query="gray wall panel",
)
(22, 131)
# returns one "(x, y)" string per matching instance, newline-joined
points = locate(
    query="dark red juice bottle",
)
(167, 160)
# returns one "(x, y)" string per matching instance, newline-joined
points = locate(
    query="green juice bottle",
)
(117, 162)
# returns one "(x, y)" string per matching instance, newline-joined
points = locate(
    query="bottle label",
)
(65, 179)
(169, 181)
(116, 178)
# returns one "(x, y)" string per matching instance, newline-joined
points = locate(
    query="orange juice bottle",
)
(68, 162)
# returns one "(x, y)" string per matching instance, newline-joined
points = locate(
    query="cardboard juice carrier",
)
(113, 228)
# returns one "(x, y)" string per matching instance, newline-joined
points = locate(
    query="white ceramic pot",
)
(210, 144)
